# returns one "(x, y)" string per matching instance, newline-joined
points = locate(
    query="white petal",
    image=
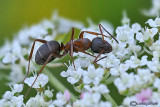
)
(64, 74)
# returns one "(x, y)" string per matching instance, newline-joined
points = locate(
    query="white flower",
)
(155, 97)
(93, 75)
(48, 93)
(124, 67)
(157, 83)
(146, 35)
(5, 48)
(12, 55)
(83, 61)
(10, 100)
(104, 104)
(154, 65)
(127, 101)
(9, 58)
(121, 51)
(16, 75)
(156, 54)
(17, 101)
(134, 48)
(143, 78)
(155, 23)
(125, 35)
(125, 19)
(116, 71)
(136, 27)
(37, 101)
(62, 98)
(110, 61)
(91, 98)
(125, 81)
(17, 88)
(73, 75)
(155, 46)
(88, 100)
(41, 81)
(100, 88)
(8, 95)
(135, 62)
(145, 75)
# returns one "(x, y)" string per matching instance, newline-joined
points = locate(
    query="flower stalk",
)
(57, 84)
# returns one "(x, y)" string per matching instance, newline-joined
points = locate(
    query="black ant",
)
(51, 49)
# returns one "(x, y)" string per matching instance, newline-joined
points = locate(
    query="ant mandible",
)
(51, 49)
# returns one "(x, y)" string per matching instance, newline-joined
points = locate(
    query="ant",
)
(51, 49)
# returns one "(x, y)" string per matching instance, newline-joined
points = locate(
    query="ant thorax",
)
(82, 43)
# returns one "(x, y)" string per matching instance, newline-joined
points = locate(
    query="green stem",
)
(109, 98)
(58, 85)
(110, 80)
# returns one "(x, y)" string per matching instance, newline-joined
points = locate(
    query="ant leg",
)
(83, 51)
(30, 56)
(97, 56)
(93, 33)
(50, 56)
(100, 59)
(100, 26)
(71, 51)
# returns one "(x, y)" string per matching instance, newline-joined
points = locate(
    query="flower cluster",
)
(133, 66)
(15, 55)
(13, 98)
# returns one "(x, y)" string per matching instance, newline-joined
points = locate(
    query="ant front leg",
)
(98, 56)
(30, 56)
(100, 59)
(48, 59)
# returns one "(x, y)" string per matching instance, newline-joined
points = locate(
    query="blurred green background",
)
(14, 14)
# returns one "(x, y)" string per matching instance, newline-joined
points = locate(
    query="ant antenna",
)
(100, 26)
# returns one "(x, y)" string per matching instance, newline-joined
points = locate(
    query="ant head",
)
(99, 45)
(107, 48)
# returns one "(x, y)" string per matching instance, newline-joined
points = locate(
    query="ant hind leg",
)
(31, 53)
(48, 59)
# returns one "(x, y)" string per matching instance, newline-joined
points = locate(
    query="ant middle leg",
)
(71, 48)
(31, 53)
(77, 48)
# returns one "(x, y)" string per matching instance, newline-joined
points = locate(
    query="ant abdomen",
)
(99, 45)
(45, 50)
